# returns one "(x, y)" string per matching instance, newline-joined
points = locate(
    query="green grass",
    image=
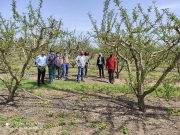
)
(16, 121)
(73, 85)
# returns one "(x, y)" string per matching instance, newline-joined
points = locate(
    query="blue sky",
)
(74, 12)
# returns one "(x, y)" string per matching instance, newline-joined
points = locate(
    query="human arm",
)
(36, 61)
(77, 61)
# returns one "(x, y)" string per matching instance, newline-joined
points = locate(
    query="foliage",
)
(168, 89)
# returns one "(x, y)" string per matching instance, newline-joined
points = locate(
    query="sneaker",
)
(82, 81)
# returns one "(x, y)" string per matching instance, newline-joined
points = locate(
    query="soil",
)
(91, 113)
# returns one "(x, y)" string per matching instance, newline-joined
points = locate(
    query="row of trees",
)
(134, 39)
(22, 38)
(141, 41)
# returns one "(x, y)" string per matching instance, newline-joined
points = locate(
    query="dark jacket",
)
(102, 60)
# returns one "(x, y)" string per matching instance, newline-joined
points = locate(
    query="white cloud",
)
(170, 6)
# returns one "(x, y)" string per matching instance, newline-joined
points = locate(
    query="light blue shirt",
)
(40, 60)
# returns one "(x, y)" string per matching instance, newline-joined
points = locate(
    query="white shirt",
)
(100, 61)
(40, 60)
(80, 61)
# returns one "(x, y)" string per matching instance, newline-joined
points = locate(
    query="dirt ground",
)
(91, 113)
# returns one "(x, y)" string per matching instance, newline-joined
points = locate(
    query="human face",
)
(43, 52)
(52, 53)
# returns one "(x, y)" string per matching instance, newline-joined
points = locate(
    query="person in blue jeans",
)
(51, 66)
(81, 62)
(65, 66)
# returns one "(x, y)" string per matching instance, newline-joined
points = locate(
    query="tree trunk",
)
(117, 75)
(10, 96)
(141, 104)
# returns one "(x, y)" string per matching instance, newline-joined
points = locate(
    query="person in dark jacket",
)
(59, 63)
(51, 66)
(100, 64)
(87, 58)
(111, 66)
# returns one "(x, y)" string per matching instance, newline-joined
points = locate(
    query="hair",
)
(86, 53)
(100, 54)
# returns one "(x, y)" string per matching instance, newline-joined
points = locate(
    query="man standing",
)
(51, 66)
(111, 65)
(100, 63)
(80, 61)
(87, 58)
(58, 62)
(65, 64)
(41, 66)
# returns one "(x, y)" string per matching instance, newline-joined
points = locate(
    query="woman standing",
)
(100, 64)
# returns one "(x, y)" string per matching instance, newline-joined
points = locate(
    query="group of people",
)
(61, 63)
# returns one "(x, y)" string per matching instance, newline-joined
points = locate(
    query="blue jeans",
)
(65, 68)
(51, 73)
(80, 73)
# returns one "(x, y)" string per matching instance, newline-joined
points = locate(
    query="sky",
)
(74, 13)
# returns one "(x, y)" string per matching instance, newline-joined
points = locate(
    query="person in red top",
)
(111, 66)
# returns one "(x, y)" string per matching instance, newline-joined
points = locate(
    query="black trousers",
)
(59, 69)
(101, 70)
(41, 75)
(111, 75)
(86, 69)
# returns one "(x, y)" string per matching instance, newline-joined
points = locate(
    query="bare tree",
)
(141, 42)
(35, 34)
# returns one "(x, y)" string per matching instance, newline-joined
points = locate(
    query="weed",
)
(63, 133)
(84, 97)
(84, 116)
(40, 94)
(124, 130)
(56, 95)
(61, 114)
(103, 126)
(44, 102)
(173, 111)
(54, 124)
(100, 125)
(16, 122)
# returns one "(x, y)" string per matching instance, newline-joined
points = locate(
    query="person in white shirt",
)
(80, 61)
(41, 66)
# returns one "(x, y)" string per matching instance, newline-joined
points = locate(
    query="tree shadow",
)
(105, 107)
